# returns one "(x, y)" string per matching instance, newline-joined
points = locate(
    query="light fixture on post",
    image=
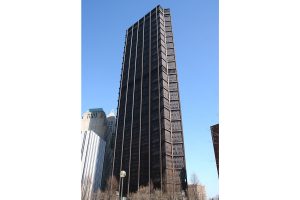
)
(122, 176)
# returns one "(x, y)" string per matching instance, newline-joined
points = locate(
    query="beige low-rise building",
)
(197, 192)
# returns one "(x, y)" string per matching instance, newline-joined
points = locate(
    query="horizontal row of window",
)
(146, 26)
(172, 78)
(154, 65)
(154, 108)
(176, 137)
(154, 49)
(167, 18)
(145, 105)
(147, 20)
(172, 71)
(145, 40)
(176, 125)
(173, 86)
(174, 105)
(145, 47)
(146, 34)
(145, 66)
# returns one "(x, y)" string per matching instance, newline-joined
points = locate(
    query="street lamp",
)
(122, 176)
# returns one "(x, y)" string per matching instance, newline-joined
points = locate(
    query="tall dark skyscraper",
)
(215, 139)
(149, 141)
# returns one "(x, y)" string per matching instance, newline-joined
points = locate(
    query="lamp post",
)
(122, 176)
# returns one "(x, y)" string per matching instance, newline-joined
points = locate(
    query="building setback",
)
(215, 138)
(149, 142)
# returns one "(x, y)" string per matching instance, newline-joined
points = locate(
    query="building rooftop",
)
(112, 114)
(95, 110)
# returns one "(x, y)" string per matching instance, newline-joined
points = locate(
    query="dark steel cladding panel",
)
(215, 138)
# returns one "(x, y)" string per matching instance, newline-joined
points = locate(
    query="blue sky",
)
(195, 27)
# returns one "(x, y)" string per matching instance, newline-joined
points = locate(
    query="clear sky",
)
(196, 39)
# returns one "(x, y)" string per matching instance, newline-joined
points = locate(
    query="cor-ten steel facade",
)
(215, 139)
(149, 142)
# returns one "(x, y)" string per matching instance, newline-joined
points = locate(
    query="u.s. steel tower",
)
(149, 143)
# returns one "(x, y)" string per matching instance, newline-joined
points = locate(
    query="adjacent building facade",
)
(215, 138)
(93, 129)
(108, 158)
(96, 150)
(149, 142)
(197, 192)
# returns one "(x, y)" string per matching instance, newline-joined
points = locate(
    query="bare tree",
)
(86, 189)
(96, 195)
(150, 193)
(194, 179)
(192, 188)
(143, 193)
(112, 187)
(112, 184)
(88, 194)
